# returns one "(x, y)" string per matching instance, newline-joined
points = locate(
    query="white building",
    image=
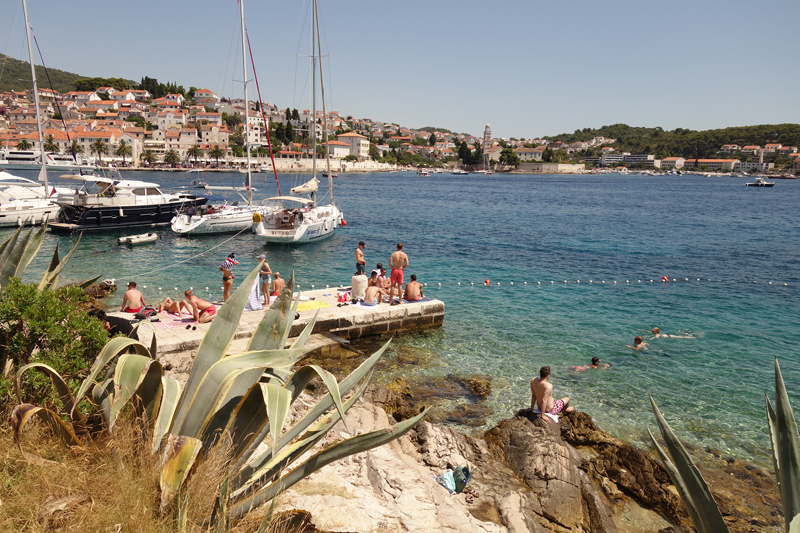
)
(359, 145)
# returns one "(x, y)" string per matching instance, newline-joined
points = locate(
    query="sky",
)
(529, 68)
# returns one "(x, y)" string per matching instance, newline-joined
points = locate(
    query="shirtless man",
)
(202, 310)
(266, 278)
(413, 290)
(361, 263)
(132, 301)
(398, 261)
(542, 395)
(639, 344)
(278, 284)
(595, 364)
(657, 333)
(174, 306)
(373, 279)
(383, 281)
(373, 295)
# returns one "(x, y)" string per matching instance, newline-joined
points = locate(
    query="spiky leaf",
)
(24, 412)
(50, 279)
(788, 450)
(177, 463)
(30, 251)
(170, 394)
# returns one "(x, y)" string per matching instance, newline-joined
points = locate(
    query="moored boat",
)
(138, 239)
(760, 182)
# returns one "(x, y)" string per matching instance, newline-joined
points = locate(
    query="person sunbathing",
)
(174, 306)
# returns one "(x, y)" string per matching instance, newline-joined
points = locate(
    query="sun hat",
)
(262, 256)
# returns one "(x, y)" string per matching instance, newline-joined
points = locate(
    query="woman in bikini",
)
(227, 276)
(266, 278)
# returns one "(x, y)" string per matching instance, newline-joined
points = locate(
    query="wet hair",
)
(656, 330)
(399, 245)
(595, 360)
(637, 339)
(132, 283)
(362, 243)
(413, 277)
(544, 372)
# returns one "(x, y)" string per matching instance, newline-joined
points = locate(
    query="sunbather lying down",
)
(174, 307)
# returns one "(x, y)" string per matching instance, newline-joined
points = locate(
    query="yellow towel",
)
(311, 304)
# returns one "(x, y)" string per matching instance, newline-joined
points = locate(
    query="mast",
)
(324, 112)
(247, 182)
(314, 91)
(43, 173)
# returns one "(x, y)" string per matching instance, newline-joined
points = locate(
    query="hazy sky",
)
(528, 67)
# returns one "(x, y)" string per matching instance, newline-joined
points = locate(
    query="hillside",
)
(684, 142)
(16, 76)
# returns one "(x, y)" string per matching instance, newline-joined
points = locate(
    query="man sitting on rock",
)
(542, 396)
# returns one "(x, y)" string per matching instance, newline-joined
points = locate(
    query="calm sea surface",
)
(613, 233)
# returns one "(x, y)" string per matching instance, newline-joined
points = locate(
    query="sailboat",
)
(299, 218)
(228, 218)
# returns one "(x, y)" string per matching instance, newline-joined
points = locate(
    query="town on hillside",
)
(131, 128)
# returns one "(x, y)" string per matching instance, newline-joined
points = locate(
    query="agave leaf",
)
(139, 377)
(794, 526)
(50, 278)
(103, 395)
(306, 333)
(219, 387)
(353, 445)
(265, 523)
(269, 333)
(279, 401)
(788, 450)
(269, 465)
(177, 463)
(64, 393)
(12, 255)
(333, 389)
(30, 251)
(246, 422)
(111, 351)
(702, 499)
(678, 482)
(296, 385)
(22, 413)
(54, 261)
(214, 345)
(772, 423)
(88, 283)
(171, 393)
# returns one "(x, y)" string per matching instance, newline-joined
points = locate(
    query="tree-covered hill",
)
(684, 142)
(16, 76)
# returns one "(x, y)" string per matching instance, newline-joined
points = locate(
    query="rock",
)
(479, 385)
(400, 387)
(464, 414)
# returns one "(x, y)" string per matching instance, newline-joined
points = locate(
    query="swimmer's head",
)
(655, 331)
(595, 360)
(637, 340)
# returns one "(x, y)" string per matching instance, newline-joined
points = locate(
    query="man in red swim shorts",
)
(202, 310)
(132, 301)
(397, 262)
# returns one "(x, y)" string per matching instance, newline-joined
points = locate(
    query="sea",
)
(541, 270)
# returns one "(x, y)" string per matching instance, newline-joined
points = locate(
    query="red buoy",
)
(487, 282)
(664, 278)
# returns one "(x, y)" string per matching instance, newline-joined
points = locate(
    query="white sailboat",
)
(228, 218)
(300, 219)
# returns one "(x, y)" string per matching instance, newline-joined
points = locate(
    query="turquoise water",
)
(523, 228)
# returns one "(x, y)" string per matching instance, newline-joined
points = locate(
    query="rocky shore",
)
(528, 476)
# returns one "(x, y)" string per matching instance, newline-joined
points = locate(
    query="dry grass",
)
(113, 485)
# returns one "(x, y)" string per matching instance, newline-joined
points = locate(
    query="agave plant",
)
(238, 401)
(693, 489)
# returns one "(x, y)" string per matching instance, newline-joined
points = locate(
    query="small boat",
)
(138, 239)
(423, 172)
(760, 182)
(198, 184)
(325, 175)
(459, 172)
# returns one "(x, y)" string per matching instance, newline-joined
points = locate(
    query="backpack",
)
(145, 313)
(461, 476)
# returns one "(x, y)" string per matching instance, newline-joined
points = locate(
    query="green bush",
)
(47, 327)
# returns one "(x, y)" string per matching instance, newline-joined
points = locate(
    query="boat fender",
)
(325, 225)
(256, 217)
(344, 222)
(664, 278)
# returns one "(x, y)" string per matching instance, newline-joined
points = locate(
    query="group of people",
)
(202, 310)
(640, 344)
(378, 287)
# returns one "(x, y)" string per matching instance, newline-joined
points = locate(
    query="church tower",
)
(487, 143)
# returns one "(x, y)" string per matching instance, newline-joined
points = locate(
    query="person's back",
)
(413, 289)
(373, 295)
(278, 284)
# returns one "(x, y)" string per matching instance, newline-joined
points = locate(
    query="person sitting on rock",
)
(542, 396)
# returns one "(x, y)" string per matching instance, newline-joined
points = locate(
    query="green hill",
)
(684, 142)
(16, 76)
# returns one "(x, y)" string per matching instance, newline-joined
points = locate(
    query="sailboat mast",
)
(43, 173)
(247, 183)
(324, 112)
(313, 128)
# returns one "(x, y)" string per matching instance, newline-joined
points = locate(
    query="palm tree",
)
(100, 148)
(172, 157)
(148, 156)
(216, 153)
(50, 145)
(23, 144)
(75, 147)
(123, 149)
(195, 151)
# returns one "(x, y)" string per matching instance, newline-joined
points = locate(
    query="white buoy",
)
(144, 286)
(604, 281)
(615, 283)
(190, 288)
(312, 286)
(651, 281)
(565, 281)
(424, 284)
(512, 282)
(770, 283)
(578, 281)
(526, 283)
(440, 286)
(785, 284)
(638, 281)
(538, 282)
(498, 283)
(327, 286)
(159, 288)
(626, 281)
(590, 281)
(206, 288)
(459, 283)
(472, 283)
(176, 288)
(552, 282)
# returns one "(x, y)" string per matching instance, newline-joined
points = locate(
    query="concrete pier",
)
(335, 324)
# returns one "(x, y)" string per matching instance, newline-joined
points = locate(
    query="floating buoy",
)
(578, 281)
(526, 283)
(552, 282)
(344, 222)
(487, 282)
(511, 283)
(539, 282)
(144, 286)
(439, 286)
(159, 288)
(459, 283)
(664, 278)
(590, 281)
(472, 283)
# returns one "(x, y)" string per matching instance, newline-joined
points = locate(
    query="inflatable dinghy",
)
(138, 239)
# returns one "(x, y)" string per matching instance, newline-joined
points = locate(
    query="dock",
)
(336, 324)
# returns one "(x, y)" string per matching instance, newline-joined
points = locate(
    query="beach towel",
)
(426, 299)
(365, 305)
(554, 417)
(254, 299)
(312, 304)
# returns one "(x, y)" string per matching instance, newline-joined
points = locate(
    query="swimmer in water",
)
(657, 333)
(639, 344)
(595, 364)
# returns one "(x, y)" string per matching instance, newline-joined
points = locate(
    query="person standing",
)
(361, 263)
(132, 301)
(266, 278)
(226, 268)
(398, 261)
